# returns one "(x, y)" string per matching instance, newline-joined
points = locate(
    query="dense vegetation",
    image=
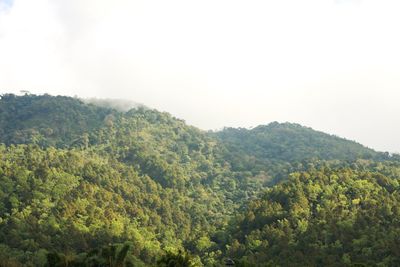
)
(88, 185)
(278, 149)
(322, 217)
(46, 120)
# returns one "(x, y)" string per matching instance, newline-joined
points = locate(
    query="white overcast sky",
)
(333, 65)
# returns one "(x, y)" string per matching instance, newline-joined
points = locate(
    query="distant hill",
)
(284, 144)
(292, 142)
(61, 119)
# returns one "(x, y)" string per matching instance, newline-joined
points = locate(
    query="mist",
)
(332, 65)
(122, 105)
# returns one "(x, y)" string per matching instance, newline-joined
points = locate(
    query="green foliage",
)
(179, 259)
(272, 151)
(74, 200)
(85, 185)
(321, 218)
(48, 121)
(292, 142)
(141, 176)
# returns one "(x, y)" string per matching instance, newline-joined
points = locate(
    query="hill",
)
(292, 142)
(106, 177)
(280, 148)
(90, 185)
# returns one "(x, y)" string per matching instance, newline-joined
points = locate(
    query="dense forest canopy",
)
(86, 184)
(274, 147)
(273, 140)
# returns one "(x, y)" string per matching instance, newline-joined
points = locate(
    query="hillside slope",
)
(80, 184)
(325, 217)
(140, 176)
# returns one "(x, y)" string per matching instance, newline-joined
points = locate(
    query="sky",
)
(333, 65)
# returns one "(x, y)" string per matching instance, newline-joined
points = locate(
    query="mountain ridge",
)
(108, 106)
(81, 184)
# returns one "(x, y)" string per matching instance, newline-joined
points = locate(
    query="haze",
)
(331, 65)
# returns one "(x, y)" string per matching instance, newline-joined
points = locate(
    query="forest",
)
(89, 184)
